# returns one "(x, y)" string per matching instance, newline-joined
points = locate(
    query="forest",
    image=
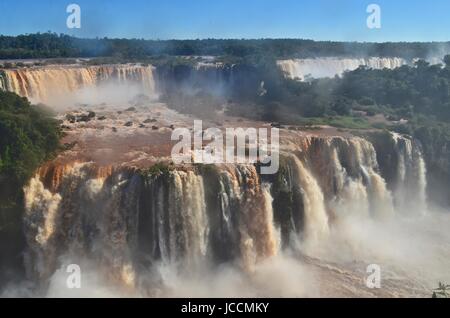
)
(28, 136)
(52, 45)
(413, 99)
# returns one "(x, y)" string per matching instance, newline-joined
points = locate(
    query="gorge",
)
(114, 202)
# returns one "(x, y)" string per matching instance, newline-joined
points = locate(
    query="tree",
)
(28, 136)
(447, 61)
(342, 106)
(443, 291)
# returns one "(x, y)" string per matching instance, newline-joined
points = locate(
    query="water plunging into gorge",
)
(129, 220)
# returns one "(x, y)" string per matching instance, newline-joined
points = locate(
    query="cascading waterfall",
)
(411, 182)
(120, 215)
(315, 215)
(128, 220)
(349, 172)
(366, 160)
(258, 239)
(332, 66)
(3, 83)
(42, 208)
(87, 216)
(187, 223)
(41, 84)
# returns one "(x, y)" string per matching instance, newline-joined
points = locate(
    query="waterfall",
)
(41, 208)
(380, 198)
(173, 218)
(187, 216)
(332, 66)
(411, 181)
(349, 176)
(315, 215)
(128, 220)
(249, 203)
(3, 83)
(42, 84)
(124, 214)
(75, 210)
(43, 204)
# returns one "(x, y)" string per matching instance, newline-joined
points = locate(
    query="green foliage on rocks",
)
(28, 137)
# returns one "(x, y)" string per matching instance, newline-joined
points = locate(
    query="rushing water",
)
(125, 220)
(152, 233)
(55, 82)
(332, 66)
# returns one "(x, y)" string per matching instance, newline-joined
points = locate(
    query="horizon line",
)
(222, 39)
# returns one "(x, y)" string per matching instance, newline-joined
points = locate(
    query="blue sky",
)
(341, 20)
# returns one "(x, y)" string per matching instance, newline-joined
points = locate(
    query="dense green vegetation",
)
(414, 100)
(50, 45)
(28, 136)
(408, 92)
(407, 97)
(156, 170)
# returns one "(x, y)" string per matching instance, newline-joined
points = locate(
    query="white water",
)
(56, 85)
(316, 219)
(332, 66)
(158, 235)
(187, 216)
(109, 219)
(411, 184)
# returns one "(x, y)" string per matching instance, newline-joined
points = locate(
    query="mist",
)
(413, 253)
(111, 94)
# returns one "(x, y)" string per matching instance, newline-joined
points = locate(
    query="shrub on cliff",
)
(28, 136)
